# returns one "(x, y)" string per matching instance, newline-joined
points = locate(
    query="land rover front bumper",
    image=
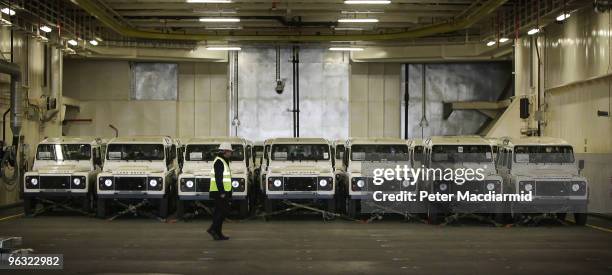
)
(300, 187)
(197, 188)
(131, 187)
(552, 196)
(55, 185)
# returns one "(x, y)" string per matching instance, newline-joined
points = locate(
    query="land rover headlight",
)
(235, 184)
(490, 186)
(323, 182)
(34, 181)
(575, 187)
(528, 187)
(360, 183)
(153, 182)
(189, 184)
(108, 182)
(443, 186)
(76, 181)
(406, 183)
(277, 183)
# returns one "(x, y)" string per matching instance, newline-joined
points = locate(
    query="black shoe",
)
(213, 234)
(223, 237)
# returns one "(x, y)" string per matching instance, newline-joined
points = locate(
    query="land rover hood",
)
(62, 169)
(546, 171)
(487, 168)
(134, 170)
(203, 169)
(307, 169)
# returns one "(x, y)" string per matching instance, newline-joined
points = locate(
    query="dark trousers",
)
(222, 207)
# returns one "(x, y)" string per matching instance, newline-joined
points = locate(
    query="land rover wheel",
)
(351, 208)
(101, 208)
(561, 216)
(580, 218)
(29, 206)
(87, 203)
(163, 207)
(331, 205)
(180, 209)
(432, 215)
(244, 208)
(269, 205)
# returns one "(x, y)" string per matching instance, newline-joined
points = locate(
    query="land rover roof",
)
(535, 141)
(142, 139)
(74, 140)
(458, 140)
(207, 140)
(299, 140)
(377, 140)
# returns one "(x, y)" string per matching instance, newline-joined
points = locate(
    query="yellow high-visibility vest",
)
(227, 177)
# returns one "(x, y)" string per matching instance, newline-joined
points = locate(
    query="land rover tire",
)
(101, 208)
(561, 216)
(351, 208)
(269, 205)
(180, 208)
(243, 208)
(432, 215)
(29, 206)
(580, 218)
(163, 207)
(87, 203)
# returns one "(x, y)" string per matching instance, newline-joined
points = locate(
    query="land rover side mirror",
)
(580, 164)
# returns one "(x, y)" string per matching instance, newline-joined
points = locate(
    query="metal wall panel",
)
(452, 82)
(323, 94)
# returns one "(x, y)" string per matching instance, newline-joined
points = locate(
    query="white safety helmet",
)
(225, 147)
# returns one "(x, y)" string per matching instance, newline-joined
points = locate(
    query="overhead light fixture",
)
(93, 42)
(358, 20)
(8, 11)
(210, 1)
(214, 48)
(362, 12)
(348, 29)
(375, 2)
(490, 43)
(225, 28)
(73, 42)
(219, 19)
(533, 31)
(563, 17)
(45, 28)
(345, 49)
(503, 40)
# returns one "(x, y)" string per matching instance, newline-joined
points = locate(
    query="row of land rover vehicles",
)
(170, 174)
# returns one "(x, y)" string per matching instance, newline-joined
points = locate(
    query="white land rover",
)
(376, 152)
(462, 154)
(194, 181)
(546, 167)
(64, 167)
(138, 168)
(299, 169)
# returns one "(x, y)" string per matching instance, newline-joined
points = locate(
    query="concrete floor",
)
(307, 245)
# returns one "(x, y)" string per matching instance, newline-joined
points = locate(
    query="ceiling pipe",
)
(111, 22)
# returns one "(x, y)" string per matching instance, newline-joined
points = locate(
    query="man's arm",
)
(219, 175)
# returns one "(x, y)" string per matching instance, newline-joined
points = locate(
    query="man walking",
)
(220, 190)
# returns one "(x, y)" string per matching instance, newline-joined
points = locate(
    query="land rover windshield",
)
(461, 153)
(208, 152)
(135, 152)
(379, 152)
(61, 152)
(543, 154)
(293, 152)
